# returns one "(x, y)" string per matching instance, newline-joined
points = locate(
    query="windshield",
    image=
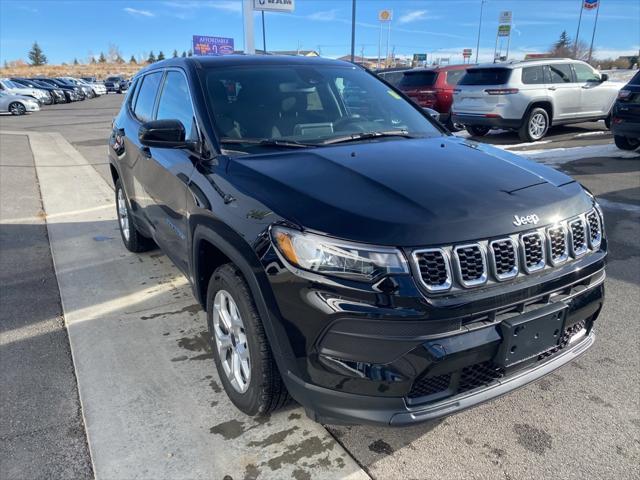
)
(418, 79)
(486, 76)
(306, 104)
(11, 84)
(113, 79)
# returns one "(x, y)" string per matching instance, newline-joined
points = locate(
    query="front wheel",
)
(477, 130)
(241, 351)
(626, 143)
(17, 108)
(535, 125)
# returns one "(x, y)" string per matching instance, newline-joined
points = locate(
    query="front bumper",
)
(485, 121)
(31, 107)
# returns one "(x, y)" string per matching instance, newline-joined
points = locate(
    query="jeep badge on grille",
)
(528, 220)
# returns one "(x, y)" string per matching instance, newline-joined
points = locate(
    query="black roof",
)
(240, 60)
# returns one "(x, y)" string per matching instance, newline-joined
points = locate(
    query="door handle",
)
(586, 86)
(551, 88)
(146, 152)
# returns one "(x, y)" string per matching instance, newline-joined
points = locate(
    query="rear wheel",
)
(17, 108)
(454, 127)
(477, 130)
(535, 126)
(626, 143)
(607, 122)
(133, 240)
(241, 351)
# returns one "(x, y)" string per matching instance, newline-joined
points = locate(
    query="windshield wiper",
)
(365, 135)
(268, 142)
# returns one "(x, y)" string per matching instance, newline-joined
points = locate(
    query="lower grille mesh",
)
(430, 385)
(478, 375)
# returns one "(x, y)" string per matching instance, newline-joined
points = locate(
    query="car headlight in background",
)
(328, 256)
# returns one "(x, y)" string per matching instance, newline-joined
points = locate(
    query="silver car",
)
(530, 96)
(17, 104)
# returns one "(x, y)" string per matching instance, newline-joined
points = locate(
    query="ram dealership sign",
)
(274, 5)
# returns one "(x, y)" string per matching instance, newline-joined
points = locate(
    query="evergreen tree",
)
(175, 53)
(132, 60)
(93, 60)
(75, 61)
(102, 58)
(160, 56)
(152, 57)
(36, 55)
(563, 47)
(189, 53)
(184, 54)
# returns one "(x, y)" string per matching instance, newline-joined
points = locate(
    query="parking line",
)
(151, 399)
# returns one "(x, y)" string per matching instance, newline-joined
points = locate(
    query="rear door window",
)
(486, 76)
(143, 109)
(175, 103)
(454, 76)
(417, 79)
(533, 75)
(559, 73)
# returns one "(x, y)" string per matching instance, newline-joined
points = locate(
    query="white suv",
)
(530, 96)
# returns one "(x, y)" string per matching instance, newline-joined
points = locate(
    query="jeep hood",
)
(407, 192)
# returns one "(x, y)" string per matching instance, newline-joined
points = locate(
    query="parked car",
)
(75, 93)
(625, 117)
(433, 88)
(532, 95)
(13, 88)
(56, 94)
(374, 267)
(17, 104)
(86, 90)
(70, 93)
(392, 75)
(116, 84)
(91, 80)
(93, 89)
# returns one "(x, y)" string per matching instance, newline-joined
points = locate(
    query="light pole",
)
(353, 29)
(479, 28)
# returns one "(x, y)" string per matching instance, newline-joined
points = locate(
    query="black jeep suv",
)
(370, 265)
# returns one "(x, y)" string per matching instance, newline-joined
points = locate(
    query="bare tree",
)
(114, 53)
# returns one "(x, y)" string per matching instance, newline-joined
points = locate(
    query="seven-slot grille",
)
(557, 241)
(578, 237)
(533, 251)
(472, 267)
(504, 258)
(595, 232)
(527, 252)
(434, 269)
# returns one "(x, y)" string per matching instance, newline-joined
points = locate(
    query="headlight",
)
(329, 256)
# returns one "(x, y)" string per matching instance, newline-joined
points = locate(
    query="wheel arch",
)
(545, 104)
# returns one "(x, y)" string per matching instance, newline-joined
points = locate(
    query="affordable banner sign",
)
(211, 46)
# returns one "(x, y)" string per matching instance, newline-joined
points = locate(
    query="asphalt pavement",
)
(582, 421)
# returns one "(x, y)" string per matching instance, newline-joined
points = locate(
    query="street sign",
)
(419, 57)
(286, 6)
(590, 4)
(212, 46)
(385, 15)
(466, 53)
(505, 17)
(504, 30)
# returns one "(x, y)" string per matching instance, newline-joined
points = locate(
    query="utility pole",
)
(479, 28)
(353, 29)
(247, 14)
(593, 36)
(264, 36)
(575, 43)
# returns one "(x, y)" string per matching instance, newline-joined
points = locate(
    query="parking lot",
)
(149, 398)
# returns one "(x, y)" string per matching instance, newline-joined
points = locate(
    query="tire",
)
(17, 108)
(261, 391)
(607, 122)
(477, 130)
(453, 127)
(535, 125)
(133, 240)
(626, 143)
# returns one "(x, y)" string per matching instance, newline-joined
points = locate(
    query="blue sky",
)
(68, 29)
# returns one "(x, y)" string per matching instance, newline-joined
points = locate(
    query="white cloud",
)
(324, 16)
(413, 16)
(135, 11)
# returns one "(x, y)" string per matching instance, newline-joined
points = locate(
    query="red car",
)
(433, 87)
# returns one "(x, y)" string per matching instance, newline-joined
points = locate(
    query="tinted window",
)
(418, 79)
(147, 96)
(635, 80)
(486, 76)
(585, 74)
(175, 103)
(533, 75)
(560, 73)
(392, 77)
(454, 76)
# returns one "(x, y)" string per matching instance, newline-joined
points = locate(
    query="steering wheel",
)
(340, 124)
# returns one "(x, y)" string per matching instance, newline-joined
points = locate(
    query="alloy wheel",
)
(537, 126)
(16, 108)
(231, 341)
(123, 215)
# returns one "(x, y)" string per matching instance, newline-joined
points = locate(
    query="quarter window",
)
(585, 74)
(143, 109)
(454, 76)
(175, 103)
(533, 75)
(560, 73)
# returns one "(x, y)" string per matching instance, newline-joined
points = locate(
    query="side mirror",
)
(432, 113)
(604, 77)
(163, 134)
